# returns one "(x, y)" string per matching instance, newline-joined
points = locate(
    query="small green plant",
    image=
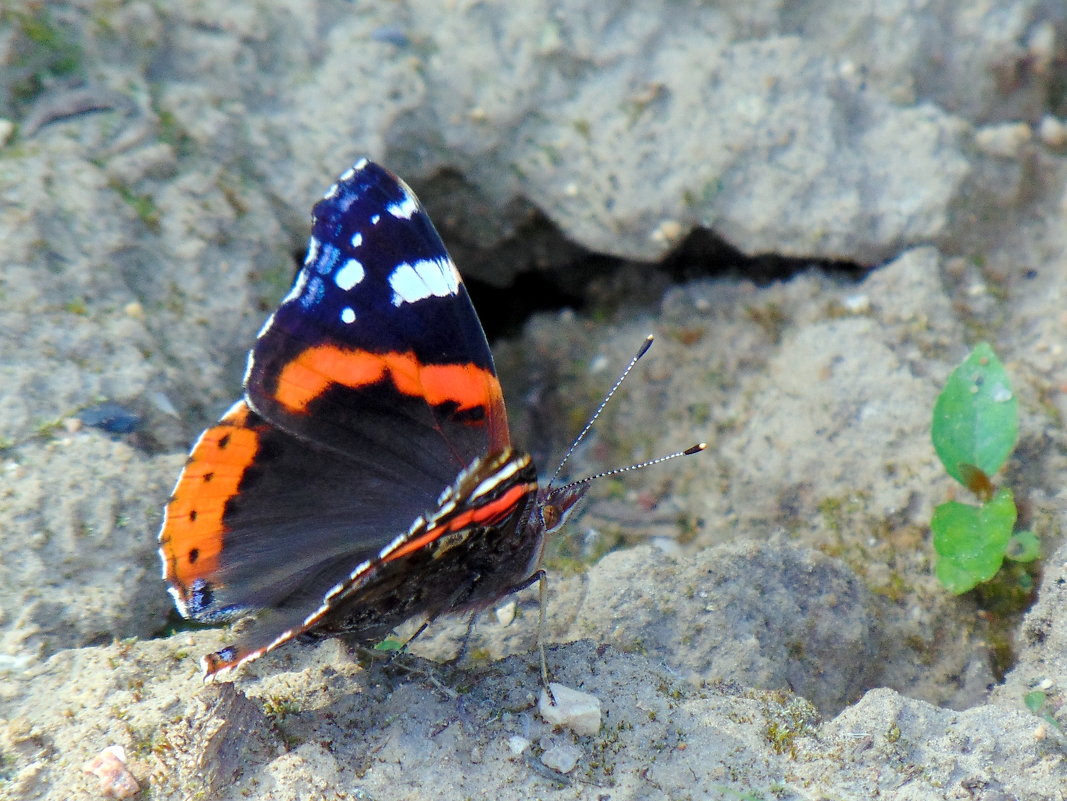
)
(1038, 702)
(278, 708)
(974, 428)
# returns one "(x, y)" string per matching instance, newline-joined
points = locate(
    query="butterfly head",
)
(554, 505)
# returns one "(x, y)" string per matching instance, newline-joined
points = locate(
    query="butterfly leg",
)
(542, 602)
(541, 579)
(454, 600)
(464, 644)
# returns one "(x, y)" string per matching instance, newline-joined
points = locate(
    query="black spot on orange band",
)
(192, 536)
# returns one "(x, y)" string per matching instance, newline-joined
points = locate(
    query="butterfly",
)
(367, 475)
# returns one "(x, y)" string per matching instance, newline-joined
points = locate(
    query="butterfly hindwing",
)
(256, 511)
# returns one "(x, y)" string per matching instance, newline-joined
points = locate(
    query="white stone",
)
(1005, 140)
(505, 614)
(667, 232)
(1052, 131)
(574, 709)
(1042, 47)
(563, 758)
(857, 304)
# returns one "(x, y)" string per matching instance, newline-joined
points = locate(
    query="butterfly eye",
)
(550, 516)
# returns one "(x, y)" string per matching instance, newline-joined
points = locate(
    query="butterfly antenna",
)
(577, 440)
(700, 446)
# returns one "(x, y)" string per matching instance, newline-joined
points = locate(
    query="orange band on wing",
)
(485, 515)
(193, 531)
(312, 372)
(469, 386)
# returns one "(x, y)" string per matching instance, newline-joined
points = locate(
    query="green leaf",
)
(1035, 701)
(976, 419)
(970, 540)
(1024, 546)
(389, 644)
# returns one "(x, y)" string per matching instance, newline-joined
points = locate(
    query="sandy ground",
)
(875, 188)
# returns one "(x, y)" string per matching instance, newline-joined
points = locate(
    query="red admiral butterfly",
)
(368, 474)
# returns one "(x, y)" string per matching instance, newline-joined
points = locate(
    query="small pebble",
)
(1005, 140)
(563, 757)
(7, 130)
(1042, 47)
(1052, 131)
(506, 614)
(110, 767)
(667, 232)
(518, 744)
(857, 304)
(575, 710)
(668, 545)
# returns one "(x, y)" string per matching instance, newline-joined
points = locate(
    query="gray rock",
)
(768, 615)
(146, 237)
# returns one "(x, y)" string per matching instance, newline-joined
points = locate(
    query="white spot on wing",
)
(406, 284)
(357, 239)
(424, 279)
(405, 208)
(440, 275)
(313, 250)
(375, 218)
(350, 274)
(348, 316)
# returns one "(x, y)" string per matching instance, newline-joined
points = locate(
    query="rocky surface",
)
(765, 623)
